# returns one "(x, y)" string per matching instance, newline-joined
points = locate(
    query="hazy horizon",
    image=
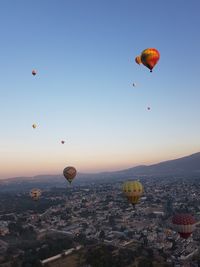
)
(98, 171)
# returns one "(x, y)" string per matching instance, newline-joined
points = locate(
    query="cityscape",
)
(69, 226)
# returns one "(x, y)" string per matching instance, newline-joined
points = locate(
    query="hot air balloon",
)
(138, 60)
(184, 224)
(134, 84)
(69, 173)
(148, 108)
(62, 142)
(35, 193)
(34, 72)
(168, 232)
(150, 57)
(34, 126)
(133, 191)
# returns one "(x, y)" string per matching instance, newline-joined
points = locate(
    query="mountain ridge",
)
(181, 166)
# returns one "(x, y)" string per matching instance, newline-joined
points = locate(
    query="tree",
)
(100, 257)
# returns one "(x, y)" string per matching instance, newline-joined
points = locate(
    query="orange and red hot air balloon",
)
(149, 58)
(184, 224)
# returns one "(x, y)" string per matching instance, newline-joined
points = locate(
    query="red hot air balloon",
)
(184, 224)
(34, 72)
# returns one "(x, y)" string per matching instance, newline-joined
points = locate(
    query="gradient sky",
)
(84, 53)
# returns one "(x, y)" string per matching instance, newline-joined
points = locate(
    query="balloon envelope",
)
(35, 193)
(69, 173)
(184, 224)
(138, 60)
(34, 126)
(34, 72)
(150, 57)
(133, 191)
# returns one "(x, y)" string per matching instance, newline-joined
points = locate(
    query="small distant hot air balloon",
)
(150, 57)
(134, 84)
(133, 190)
(34, 72)
(168, 232)
(138, 60)
(184, 224)
(148, 108)
(34, 126)
(35, 193)
(69, 173)
(62, 142)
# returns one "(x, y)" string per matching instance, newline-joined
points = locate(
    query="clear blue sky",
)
(84, 53)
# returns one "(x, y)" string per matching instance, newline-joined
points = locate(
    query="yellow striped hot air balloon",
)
(133, 191)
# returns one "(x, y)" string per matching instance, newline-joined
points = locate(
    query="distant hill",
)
(186, 166)
(182, 166)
